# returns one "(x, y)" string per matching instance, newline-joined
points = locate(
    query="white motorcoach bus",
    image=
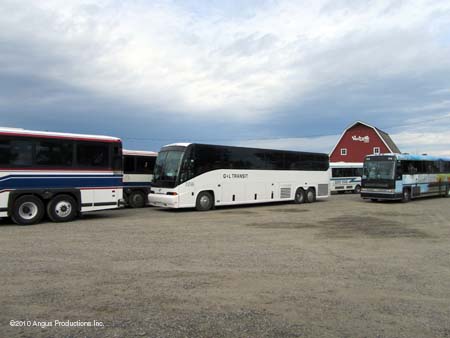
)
(57, 174)
(204, 176)
(137, 176)
(346, 177)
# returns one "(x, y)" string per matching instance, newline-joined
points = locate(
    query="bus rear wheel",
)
(300, 196)
(62, 208)
(204, 202)
(310, 195)
(136, 199)
(27, 210)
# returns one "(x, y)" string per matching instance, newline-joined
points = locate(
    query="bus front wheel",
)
(62, 208)
(406, 197)
(27, 210)
(357, 189)
(204, 202)
(300, 196)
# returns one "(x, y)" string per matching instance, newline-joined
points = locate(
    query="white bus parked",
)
(57, 174)
(204, 176)
(137, 176)
(346, 177)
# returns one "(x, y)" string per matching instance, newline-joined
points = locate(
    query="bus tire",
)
(357, 189)
(406, 195)
(204, 201)
(27, 210)
(136, 199)
(62, 208)
(310, 195)
(300, 196)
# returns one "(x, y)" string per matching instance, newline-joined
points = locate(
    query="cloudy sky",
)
(278, 74)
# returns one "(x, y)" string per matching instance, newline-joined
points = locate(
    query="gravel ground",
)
(337, 268)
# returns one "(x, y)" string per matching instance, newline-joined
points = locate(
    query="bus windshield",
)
(379, 170)
(167, 167)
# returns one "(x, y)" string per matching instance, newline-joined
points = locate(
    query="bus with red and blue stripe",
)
(58, 175)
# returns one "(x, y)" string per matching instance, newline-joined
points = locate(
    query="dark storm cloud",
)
(166, 72)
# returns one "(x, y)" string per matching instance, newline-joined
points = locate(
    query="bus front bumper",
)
(165, 201)
(380, 194)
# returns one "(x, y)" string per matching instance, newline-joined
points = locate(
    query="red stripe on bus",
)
(56, 169)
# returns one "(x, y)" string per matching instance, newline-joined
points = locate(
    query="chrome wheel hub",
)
(204, 201)
(28, 210)
(63, 208)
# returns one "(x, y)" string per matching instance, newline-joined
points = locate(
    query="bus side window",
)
(398, 170)
(128, 165)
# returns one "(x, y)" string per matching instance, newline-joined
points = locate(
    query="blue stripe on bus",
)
(58, 181)
(346, 179)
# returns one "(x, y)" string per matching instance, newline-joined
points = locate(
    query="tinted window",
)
(444, 166)
(241, 158)
(346, 172)
(145, 164)
(274, 160)
(16, 153)
(56, 153)
(128, 164)
(117, 162)
(321, 162)
(409, 167)
(207, 158)
(432, 167)
(93, 155)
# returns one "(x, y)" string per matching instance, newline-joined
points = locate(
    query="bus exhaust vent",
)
(285, 192)
(323, 190)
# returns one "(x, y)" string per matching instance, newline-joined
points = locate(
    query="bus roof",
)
(236, 146)
(47, 134)
(139, 152)
(414, 157)
(346, 165)
(177, 145)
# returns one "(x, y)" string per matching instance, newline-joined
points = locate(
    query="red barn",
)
(361, 139)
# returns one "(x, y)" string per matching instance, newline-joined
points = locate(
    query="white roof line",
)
(177, 144)
(47, 133)
(139, 152)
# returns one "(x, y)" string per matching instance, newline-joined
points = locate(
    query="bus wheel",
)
(27, 210)
(406, 197)
(310, 195)
(300, 196)
(357, 189)
(136, 199)
(204, 201)
(62, 208)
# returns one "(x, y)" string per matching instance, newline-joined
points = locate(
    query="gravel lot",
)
(337, 268)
